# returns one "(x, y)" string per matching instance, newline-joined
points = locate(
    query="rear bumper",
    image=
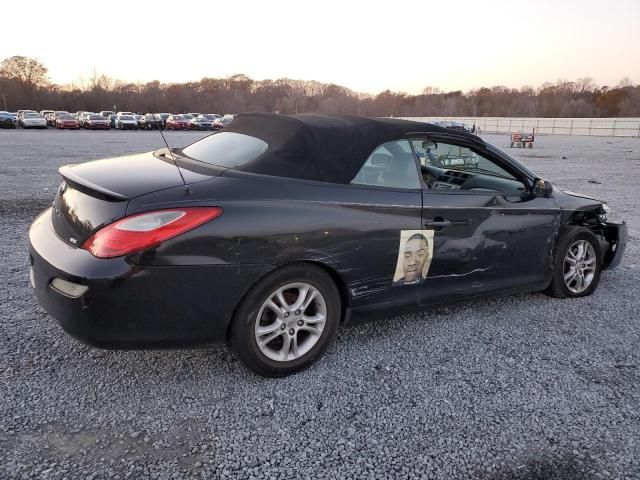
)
(616, 235)
(132, 306)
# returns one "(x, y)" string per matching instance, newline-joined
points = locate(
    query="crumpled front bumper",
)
(616, 235)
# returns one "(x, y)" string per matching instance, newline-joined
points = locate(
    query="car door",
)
(489, 232)
(386, 202)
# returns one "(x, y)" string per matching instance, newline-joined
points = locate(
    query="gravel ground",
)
(525, 387)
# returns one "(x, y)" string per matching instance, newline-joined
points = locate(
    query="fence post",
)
(590, 122)
(509, 125)
(571, 127)
(553, 127)
(613, 132)
(638, 129)
(537, 125)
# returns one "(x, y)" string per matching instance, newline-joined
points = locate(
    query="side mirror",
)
(542, 188)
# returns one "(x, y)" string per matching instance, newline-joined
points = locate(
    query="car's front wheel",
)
(577, 262)
(287, 320)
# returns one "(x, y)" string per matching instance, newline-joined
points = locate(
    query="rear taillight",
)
(146, 230)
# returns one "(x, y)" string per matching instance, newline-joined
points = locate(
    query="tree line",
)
(24, 84)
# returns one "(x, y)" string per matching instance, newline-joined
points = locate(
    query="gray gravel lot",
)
(519, 387)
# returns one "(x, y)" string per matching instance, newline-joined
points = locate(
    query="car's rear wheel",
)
(577, 262)
(287, 320)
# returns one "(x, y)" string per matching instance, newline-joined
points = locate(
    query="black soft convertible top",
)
(326, 148)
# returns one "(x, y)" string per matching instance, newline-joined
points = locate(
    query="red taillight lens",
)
(146, 230)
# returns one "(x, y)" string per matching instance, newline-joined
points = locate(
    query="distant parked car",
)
(33, 120)
(7, 120)
(126, 122)
(194, 115)
(84, 118)
(54, 116)
(164, 117)
(451, 125)
(177, 122)
(46, 113)
(151, 122)
(106, 113)
(79, 115)
(200, 123)
(67, 121)
(220, 123)
(21, 113)
(125, 113)
(96, 122)
(57, 113)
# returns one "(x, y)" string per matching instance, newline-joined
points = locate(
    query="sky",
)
(368, 46)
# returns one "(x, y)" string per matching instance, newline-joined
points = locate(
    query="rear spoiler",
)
(88, 187)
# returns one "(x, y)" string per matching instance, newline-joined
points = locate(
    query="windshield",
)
(32, 115)
(65, 116)
(226, 149)
(96, 117)
(126, 117)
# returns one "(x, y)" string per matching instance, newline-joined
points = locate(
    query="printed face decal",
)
(414, 257)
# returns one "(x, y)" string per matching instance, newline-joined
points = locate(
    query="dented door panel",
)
(492, 243)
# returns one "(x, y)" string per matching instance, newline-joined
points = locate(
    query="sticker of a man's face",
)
(415, 255)
(415, 252)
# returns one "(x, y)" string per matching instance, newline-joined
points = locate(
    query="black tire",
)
(243, 337)
(569, 235)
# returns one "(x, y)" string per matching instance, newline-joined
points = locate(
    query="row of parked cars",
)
(107, 119)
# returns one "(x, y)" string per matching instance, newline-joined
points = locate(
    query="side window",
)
(453, 167)
(392, 164)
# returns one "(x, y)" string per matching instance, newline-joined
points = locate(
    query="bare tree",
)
(28, 72)
(625, 82)
(585, 84)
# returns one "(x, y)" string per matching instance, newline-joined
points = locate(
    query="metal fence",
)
(604, 127)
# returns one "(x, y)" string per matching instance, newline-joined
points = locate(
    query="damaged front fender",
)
(616, 235)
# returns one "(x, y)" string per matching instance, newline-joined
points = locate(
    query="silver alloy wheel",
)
(290, 322)
(579, 266)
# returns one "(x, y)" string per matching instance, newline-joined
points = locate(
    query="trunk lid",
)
(96, 193)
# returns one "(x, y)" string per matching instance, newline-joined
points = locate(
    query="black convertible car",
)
(277, 230)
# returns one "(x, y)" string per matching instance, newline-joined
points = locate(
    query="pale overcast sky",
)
(368, 46)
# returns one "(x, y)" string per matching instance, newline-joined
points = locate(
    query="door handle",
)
(437, 223)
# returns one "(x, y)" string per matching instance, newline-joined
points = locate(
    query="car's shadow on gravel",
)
(566, 467)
